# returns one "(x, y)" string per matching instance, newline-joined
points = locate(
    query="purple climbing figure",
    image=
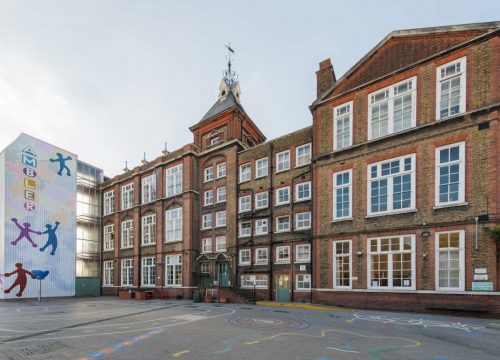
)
(25, 232)
(52, 240)
(62, 164)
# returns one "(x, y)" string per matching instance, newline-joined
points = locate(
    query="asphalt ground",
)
(108, 328)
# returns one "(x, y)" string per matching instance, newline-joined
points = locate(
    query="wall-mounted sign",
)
(481, 277)
(480, 271)
(482, 286)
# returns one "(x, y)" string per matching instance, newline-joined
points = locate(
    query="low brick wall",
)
(489, 305)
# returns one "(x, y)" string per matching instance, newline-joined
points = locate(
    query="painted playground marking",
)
(385, 321)
(269, 324)
(348, 351)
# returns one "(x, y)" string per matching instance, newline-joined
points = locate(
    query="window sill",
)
(282, 171)
(261, 208)
(302, 200)
(207, 204)
(243, 181)
(220, 226)
(409, 211)
(282, 231)
(126, 247)
(343, 219)
(302, 261)
(261, 263)
(445, 206)
(263, 234)
(108, 250)
(304, 228)
(281, 204)
(282, 262)
(244, 236)
(220, 202)
(300, 166)
(144, 245)
(172, 241)
(261, 177)
(244, 264)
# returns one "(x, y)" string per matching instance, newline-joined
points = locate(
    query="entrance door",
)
(223, 274)
(282, 288)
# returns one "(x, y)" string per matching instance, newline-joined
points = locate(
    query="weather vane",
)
(229, 75)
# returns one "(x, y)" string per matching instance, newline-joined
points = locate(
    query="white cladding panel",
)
(40, 219)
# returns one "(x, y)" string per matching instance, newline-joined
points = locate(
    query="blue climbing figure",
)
(62, 164)
(52, 241)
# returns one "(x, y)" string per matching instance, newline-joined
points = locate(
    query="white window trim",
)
(267, 200)
(110, 269)
(208, 248)
(249, 262)
(240, 227)
(123, 283)
(335, 264)
(297, 288)
(335, 187)
(249, 165)
(257, 262)
(219, 166)
(335, 130)
(390, 108)
(142, 271)
(297, 260)
(206, 198)
(175, 272)
(109, 202)
(297, 222)
(297, 191)
(297, 154)
(463, 87)
(111, 241)
(129, 189)
(461, 257)
(203, 217)
(218, 243)
(153, 225)
(390, 187)
(149, 181)
(180, 210)
(225, 195)
(217, 219)
(170, 174)
(461, 197)
(277, 202)
(208, 174)
(253, 279)
(281, 261)
(257, 233)
(266, 172)
(277, 222)
(389, 265)
(239, 203)
(289, 161)
(129, 230)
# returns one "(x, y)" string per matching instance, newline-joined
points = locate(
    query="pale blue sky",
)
(111, 79)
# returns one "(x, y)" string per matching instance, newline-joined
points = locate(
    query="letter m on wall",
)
(29, 160)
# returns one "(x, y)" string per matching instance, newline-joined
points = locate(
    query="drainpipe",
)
(271, 222)
(139, 267)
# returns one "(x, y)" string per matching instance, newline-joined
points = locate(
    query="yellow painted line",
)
(415, 343)
(494, 324)
(300, 306)
(177, 354)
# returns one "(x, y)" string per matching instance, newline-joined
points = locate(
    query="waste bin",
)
(196, 296)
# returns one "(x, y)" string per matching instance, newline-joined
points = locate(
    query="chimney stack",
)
(325, 77)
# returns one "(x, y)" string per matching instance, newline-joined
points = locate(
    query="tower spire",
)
(229, 75)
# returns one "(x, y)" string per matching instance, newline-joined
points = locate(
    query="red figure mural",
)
(20, 280)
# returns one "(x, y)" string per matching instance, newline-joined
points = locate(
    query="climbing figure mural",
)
(20, 280)
(25, 232)
(52, 240)
(62, 164)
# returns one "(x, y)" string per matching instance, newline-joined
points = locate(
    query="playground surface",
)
(108, 328)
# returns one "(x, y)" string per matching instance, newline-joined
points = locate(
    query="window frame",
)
(208, 197)
(462, 105)
(336, 117)
(277, 224)
(208, 174)
(217, 218)
(257, 200)
(109, 202)
(204, 221)
(249, 203)
(461, 259)
(108, 273)
(221, 170)
(297, 191)
(128, 200)
(297, 282)
(247, 172)
(335, 256)
(278, 170)
(240, 227)
(129, 272)
(108, 244)
(390, 184)
(261, 262)
(390, 107)
(218, 242)
(297, 253)
(277, 196)
(127, 234)
(148, 185)
(264, 170)
(240, 257)
(286, 260)
(462, 174)
(206, 245)
(297, 220)
(174, 229)
(152, 234)
(338, 187)
(390, 269)
(297, 157)
(150, 268)
(252, 279)
(175, 272)
(257, 232)
(174, 175)
(219, 191)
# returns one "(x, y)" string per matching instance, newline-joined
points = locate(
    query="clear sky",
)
(112, 79)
